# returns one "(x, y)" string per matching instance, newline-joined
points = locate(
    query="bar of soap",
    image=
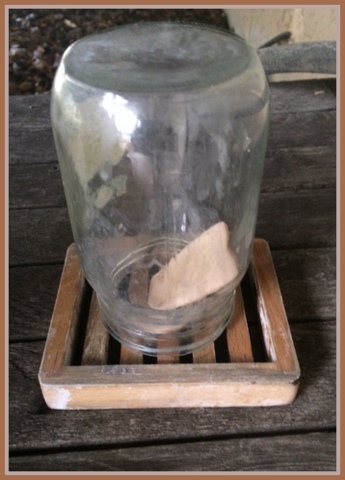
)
(203, 267)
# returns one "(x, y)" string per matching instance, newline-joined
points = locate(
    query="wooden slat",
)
(237, 333)
(138, 287)
(310, 129)
(167, 358)
(61, 335)
(307, 279)
(316, 226)
(289, 452)
(32, 111)
(137, 293)
(205, 354)
(286, 169)
(32, 145)
(29, 111)
(95, 350)
(31, 422)
(130, 357)
(287, 130)
(35, 239)
(258, 384)
(30, 318)
(298, 169)
(303, 95)
(241, 388)
(273, 318)
(36, 186)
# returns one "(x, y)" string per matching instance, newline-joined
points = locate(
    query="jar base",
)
(160, 339)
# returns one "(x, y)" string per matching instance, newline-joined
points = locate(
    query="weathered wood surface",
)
(300, 219)
(34, 186)
(287, 130)
(306, 218)
(34, 111)
(286, 170)
(302, 115)
(32, 296)
(297, 217)
(77, 385)
(301, 129)
(34, 426)
(304, 96)
(306, 278)
(276, 453)
(39, 236)
(296, 169)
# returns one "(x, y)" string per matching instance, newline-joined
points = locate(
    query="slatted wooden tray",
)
(253, 363)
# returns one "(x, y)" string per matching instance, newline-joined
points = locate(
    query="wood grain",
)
(307, 280)
(34, 110)
(37, 185)
(274, 321)
(31, 423)
(63, 328)
(138, 287)
(31, 111)
(303, 219)
(303, 96)
(31, 301)
(238, 338)
(296, 215)
(205, 354)
(35, 239)
(95, 348)
(289, 452)
(287, 130)
(137, 293)
(130, 357)
(286, 169)
(66, 386)
(310, 129)
(298, 169)
(31, 145)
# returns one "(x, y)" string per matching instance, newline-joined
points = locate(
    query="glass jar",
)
(160, 131)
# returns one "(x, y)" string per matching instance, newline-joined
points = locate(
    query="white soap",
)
(203, 267)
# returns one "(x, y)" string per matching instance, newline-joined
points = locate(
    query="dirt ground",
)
(38, 37)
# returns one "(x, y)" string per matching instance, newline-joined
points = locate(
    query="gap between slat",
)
(237, 334)
(274, 321)
(96, 343)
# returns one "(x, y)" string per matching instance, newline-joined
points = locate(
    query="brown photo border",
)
(4, 223)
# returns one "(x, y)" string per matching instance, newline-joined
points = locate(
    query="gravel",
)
(38, 37)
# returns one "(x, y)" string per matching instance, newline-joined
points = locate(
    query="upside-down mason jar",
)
(160, 131)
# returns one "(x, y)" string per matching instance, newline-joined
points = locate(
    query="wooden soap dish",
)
(253, 363)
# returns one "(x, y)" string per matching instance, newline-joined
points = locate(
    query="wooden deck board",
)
(286, 170)
(32, 422)
(36, 239)
(293, 452)
(296, 216)
(307, 279)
